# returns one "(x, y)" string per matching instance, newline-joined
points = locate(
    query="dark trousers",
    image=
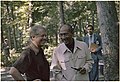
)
(101, 69)
(94, 73)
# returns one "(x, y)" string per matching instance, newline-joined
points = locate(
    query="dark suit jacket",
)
(97, 40)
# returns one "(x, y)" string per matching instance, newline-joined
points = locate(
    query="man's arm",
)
(89, 60)
(99, 43)
(16, 74)
(55, 67)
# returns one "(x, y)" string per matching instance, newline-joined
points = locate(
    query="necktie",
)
(90, 40)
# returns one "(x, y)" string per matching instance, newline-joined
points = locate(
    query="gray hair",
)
(35, 30)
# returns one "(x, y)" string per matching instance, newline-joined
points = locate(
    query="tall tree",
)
(108, 23)
(13, 25)
(61, 17)
(9, 29)
(30, 14)
(61, 11)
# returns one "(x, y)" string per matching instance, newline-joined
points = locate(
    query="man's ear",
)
(72, 34)
(32, 37)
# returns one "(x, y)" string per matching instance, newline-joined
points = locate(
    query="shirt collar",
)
(34, 48)
(76, 46)
(90, 35)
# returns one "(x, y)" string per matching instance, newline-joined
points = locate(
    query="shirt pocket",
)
(67, 58)
(81, 59)
(81, 56)
(64, 61)
(62, 64)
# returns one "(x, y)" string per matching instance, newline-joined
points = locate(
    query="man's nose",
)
(45, 37)
(63, 36)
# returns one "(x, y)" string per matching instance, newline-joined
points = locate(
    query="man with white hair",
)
(32, 61)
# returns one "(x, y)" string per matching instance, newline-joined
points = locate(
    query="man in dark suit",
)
(94, 40)
(6, 51)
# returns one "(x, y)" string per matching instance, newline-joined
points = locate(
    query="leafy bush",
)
(48, 52)
(10, 61)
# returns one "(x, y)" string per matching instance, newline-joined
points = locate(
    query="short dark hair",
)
(90, 26)
(69, 26)
(35, 30)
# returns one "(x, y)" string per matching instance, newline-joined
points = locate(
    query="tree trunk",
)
(61, 14)
(93, 18)
(14, 28)
(9, 30)
(30, 14)
(80, 28)
(108, 23)
(61, 10)
(2, 33)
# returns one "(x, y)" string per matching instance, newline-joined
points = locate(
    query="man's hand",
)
(16, 74)
(83, 71)
(78, 69)
(92, 50)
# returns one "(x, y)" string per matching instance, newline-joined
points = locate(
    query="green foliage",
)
(16, 15)
(49, 52)
(10, 61)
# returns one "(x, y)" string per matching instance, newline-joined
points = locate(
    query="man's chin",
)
(66, 43)
(42, 43)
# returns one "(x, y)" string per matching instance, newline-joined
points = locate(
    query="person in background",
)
(71, 60)
(95, 45)
(6, 51)
(32, 61)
